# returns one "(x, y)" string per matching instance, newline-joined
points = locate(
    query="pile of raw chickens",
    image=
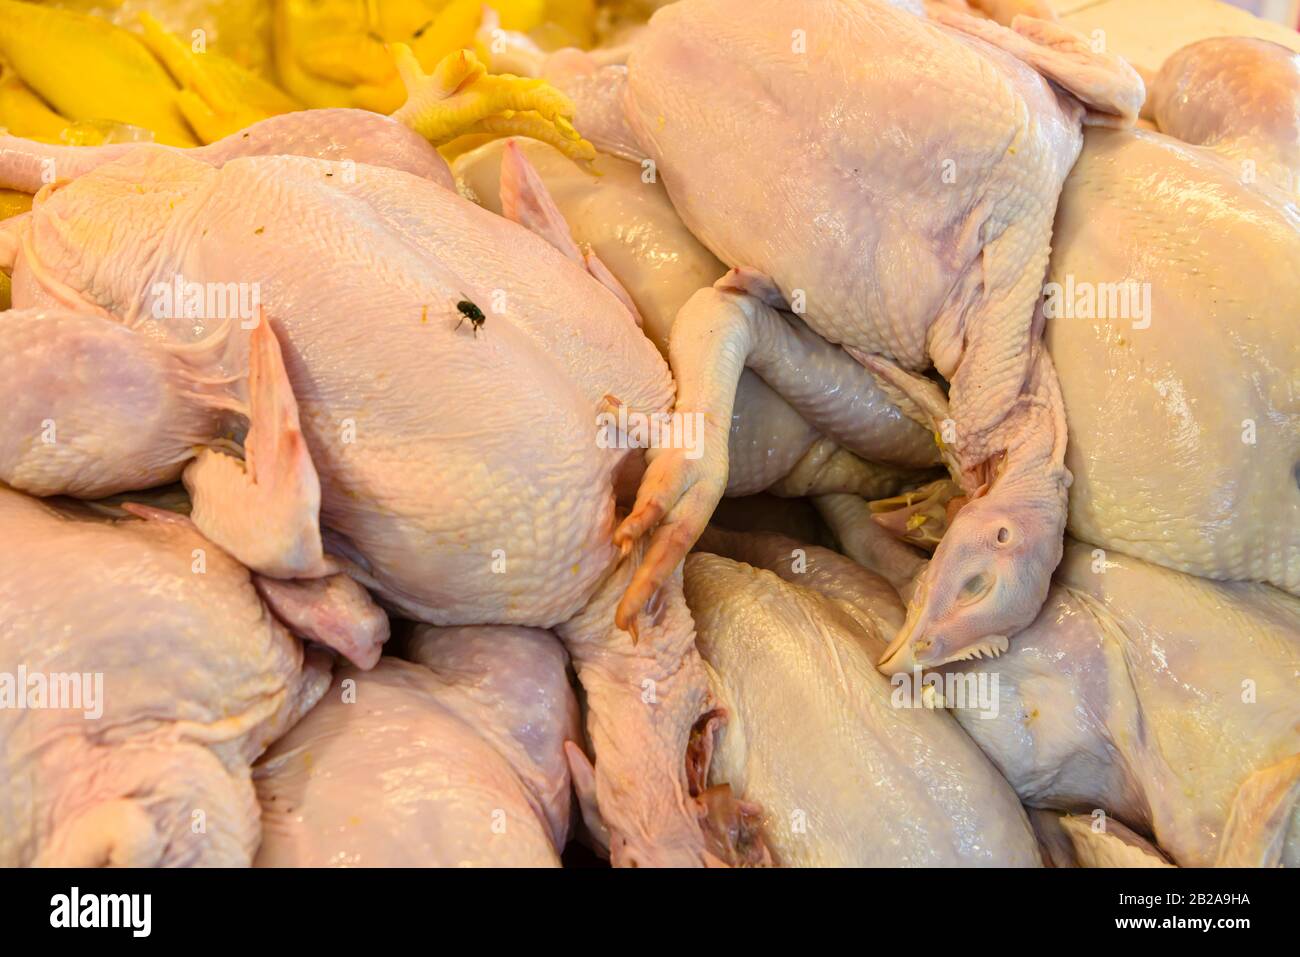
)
(785, 432)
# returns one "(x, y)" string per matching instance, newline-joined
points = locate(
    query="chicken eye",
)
(974, 588)
(1004, 535)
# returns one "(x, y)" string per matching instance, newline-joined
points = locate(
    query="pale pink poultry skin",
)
(1239, 96)
(88, 379)
(642, 800)
(198, 678)
(1166, 700)
(458, 470)
(453, 759)
(1208, 374)
(632, 225)
(345, 136)
(462, 471)
(121, 411)
(791, 633)
(895, 180)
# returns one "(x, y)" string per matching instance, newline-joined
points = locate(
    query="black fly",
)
(473, 313)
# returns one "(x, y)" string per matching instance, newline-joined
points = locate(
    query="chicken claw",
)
(460, 97)
(677, 494)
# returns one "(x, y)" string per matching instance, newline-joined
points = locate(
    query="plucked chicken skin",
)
(430, 477)
(195, 678)
(1166, 701)
(453, 759)
(360, 457)
(905, 231)
(611, 210)
(813, 733)
(1179, 373)
(379, 426)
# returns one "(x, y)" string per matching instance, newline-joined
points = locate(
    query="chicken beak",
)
(900, 656)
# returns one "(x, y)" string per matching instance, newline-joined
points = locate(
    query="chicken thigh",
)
(456, 760)
(1166, 701)
(162, 676)
(815, 734)
(891, 179)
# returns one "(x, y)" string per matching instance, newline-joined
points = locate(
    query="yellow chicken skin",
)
(25, 114)
(115, 79)
(217, 96)
(197, 96)
(333, 52)
(12, 202)
(566, 23)
(240, 30)
(213, 96)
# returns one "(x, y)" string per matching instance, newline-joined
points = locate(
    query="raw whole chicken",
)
(903, 225)
(1164, 701)
(1177, 347)
(455, 760)
(381, 353)
(413, 448)
(454, 471)
(183, 677)
(814, 733)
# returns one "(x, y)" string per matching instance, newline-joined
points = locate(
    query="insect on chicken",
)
(471, 312)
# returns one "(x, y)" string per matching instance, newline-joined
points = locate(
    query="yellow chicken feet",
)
(460, 97)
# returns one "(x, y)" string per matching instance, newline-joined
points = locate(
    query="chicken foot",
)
(716, 335)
